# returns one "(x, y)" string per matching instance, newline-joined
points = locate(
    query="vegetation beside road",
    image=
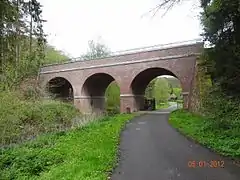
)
(207, 132)
(89, 152)
(217, 80)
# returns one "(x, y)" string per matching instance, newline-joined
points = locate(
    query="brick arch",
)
(96, 84)
(93, 90)
(44, 81)
(61, 87)
(140, 81)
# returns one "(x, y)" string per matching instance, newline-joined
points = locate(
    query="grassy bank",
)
(22, 119)
(87, 153)
(225, 142)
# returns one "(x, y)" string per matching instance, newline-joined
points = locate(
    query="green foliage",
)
(220, 19)
(96, 50)
(19, 54)
(23, 45)
(161, 90)
(201, 129)
(149, 92)
(223, 111)
(29, 160)
(21, 120)
(113, 98)
(177, 92)
(53, 56)
(86, 153)
(23, 50)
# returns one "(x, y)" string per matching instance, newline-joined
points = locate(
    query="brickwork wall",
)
(179, 61)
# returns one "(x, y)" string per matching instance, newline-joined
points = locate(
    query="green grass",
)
(88, 153)
(162, 105)
(225, 142)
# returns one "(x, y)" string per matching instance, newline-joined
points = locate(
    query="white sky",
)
(72, 23)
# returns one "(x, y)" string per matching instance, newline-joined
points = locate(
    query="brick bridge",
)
(132, 70)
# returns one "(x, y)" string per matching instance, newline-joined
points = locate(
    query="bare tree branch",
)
(164, 4)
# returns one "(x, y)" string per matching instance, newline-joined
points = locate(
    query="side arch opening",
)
(156, 88)
(101, 93)
(60, 88)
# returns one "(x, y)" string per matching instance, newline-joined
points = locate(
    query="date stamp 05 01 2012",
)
(206, 164)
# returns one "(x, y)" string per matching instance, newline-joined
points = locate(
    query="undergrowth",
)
(85, 153)
(213, 133)
(22, 119)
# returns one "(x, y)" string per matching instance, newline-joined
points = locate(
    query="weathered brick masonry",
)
(132, 72)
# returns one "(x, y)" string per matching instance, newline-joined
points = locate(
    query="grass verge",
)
(202, 130)
(87, 153)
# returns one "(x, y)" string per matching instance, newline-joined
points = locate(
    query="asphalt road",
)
(151, 149)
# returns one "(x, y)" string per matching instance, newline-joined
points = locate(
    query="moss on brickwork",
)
(200, 84)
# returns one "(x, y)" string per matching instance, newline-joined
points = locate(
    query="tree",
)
(149, 92)
(113, 98)
(177, 92)
(16, 36)
(96, 50)
(161, 90)
(221, 21)
(164, 4)
(52, 55)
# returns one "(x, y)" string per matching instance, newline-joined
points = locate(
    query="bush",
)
(20, 120)
(113, 110)
(32, 93)
(223, 111)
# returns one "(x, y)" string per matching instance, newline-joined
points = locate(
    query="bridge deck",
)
(192, 47)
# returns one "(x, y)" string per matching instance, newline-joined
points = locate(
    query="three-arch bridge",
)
(132, 70)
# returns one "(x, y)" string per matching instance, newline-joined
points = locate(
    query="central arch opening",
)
(102, 93)
(156, 88)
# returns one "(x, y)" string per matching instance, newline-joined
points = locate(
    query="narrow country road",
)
(151, 149)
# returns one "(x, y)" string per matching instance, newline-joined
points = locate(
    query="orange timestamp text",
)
(206, 164)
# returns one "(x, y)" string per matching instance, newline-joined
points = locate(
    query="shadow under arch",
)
(60, 88)
(94, 89)
(141, 81)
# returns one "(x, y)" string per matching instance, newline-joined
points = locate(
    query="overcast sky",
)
(120, 24)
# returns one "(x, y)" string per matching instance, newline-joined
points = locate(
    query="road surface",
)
(151, 149)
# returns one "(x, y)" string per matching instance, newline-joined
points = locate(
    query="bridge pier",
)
(131, 102)
(90, 104)
(127, 103)
(185, 99)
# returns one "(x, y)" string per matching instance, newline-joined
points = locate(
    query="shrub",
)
(25, 119)
(112, 110)
(223, 111)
